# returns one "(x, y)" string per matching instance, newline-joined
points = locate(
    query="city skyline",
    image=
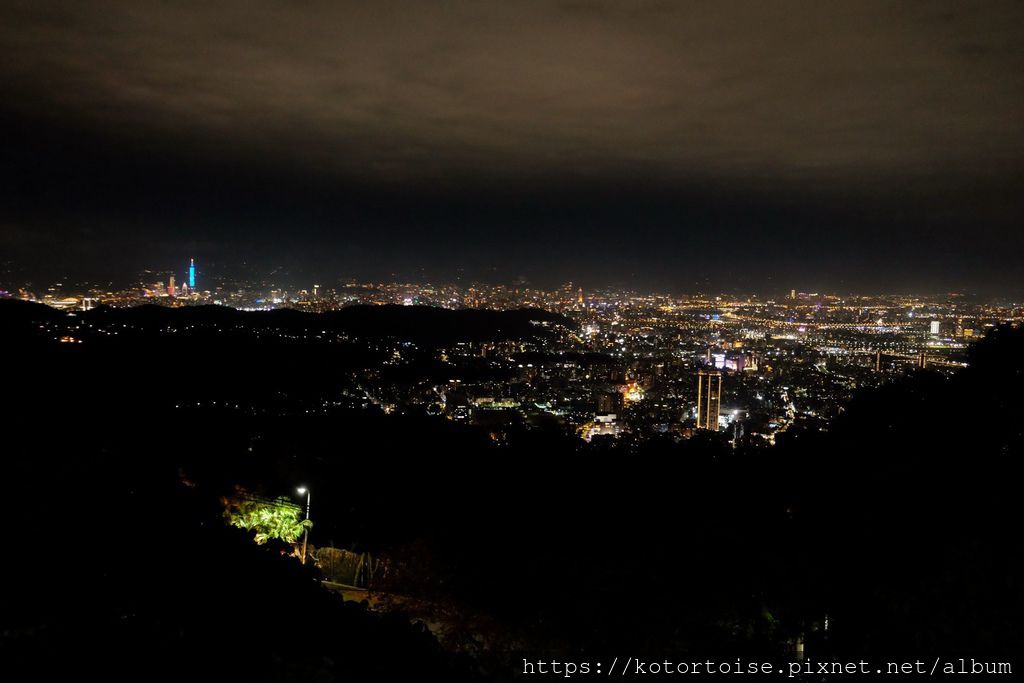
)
(280, 288)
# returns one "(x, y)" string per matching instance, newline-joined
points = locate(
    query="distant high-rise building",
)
(792, 294)
(171, 290)
(192, 274)
(709, 399)
(935, 328)
(609, 402)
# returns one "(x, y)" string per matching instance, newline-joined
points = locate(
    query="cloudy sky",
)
(845, 145)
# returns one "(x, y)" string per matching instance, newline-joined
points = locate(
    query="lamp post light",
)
(302, 490)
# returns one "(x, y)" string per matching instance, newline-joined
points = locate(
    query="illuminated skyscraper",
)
(171, 290)
(709, 399)
(192, 274)
(935, 328)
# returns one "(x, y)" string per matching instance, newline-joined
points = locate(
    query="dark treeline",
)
(420, 324)
(899, 525)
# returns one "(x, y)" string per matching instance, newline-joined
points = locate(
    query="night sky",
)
(856, 146)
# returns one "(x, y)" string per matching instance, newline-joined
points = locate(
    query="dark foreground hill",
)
(127, 574)
(423, 325)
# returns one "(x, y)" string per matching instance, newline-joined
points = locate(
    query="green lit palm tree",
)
(280, 518)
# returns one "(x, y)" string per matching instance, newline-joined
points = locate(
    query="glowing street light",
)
(303, 491)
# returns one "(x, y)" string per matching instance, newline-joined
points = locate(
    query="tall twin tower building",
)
(709, 399)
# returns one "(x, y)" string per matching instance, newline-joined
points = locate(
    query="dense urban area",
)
(602, 363)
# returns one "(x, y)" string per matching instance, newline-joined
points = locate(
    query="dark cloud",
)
(540, 130)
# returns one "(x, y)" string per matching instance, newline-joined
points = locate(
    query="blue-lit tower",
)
(192, 275)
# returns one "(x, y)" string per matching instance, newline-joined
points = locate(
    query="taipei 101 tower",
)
(192, 274)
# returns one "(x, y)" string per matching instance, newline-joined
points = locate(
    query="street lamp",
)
(303, 491)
